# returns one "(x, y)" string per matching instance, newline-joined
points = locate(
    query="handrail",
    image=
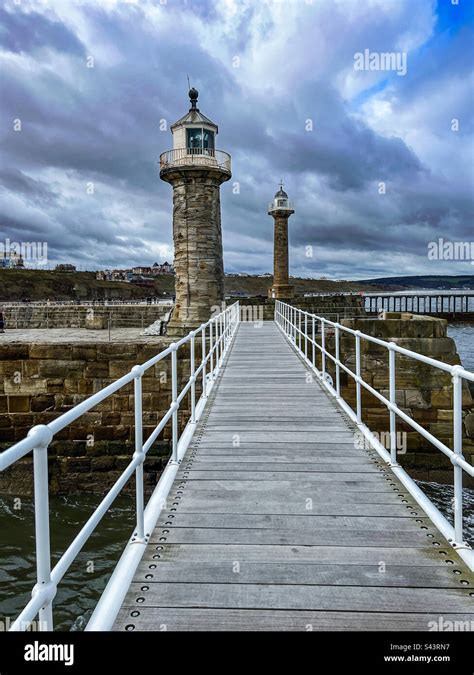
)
(288, 207)
(300, 328)
(216, 336)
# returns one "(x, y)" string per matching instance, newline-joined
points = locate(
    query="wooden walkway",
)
(277, 521)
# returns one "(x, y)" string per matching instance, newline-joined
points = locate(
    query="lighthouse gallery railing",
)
(301, 329)
(215, 336)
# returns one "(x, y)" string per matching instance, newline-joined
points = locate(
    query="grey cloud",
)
(29, 31)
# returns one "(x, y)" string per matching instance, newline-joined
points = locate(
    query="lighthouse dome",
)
(281, 194)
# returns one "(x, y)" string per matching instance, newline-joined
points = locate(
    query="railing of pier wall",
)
(301, 329)
(215, 337)
(445, 302)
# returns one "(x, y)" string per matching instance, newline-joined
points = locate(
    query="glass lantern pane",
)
(208, 139)
(194, 139)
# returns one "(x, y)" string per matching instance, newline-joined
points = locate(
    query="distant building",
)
(155, 270)
(128, 274)
(143, 271)
(139, 280)
(65, 267)
(10, 260)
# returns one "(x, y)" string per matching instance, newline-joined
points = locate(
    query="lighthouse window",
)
(194, 139)
(208, 139)
(199, 140)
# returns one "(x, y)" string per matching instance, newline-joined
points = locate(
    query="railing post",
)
(299, 329)
(314, 341)
(338, 369)
(226, 330)
(457, 443)
(193, 379)
(203, 352)
(221, 328)
(138, 405)
(323, 349)
(219, 345)
(43, 546)
(211, 350)
(174, 401)
(306, 335)
(358, 386)
(392, 396)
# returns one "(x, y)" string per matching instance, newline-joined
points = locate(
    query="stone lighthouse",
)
(281, 209)
(196, 170)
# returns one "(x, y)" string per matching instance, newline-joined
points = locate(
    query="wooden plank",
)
(371, 477)
(207, 620)
(425, 556)
(304, 597)
(300, 490)
(228, 501)
(228, 464)
(278, 437)
(237, 572)
(348, 462)
(308, 521)
(289, 537)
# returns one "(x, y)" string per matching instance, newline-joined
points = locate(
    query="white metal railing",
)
(273, 207)
(301, 329)
(208, 157)
(216, 336)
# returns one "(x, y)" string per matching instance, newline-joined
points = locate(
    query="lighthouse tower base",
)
(281, 292)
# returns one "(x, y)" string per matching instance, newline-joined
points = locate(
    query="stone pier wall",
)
(42, 381)
(81, 316)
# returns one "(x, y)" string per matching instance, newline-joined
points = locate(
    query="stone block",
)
(61, 368)
(112, 433)
(22, 420)
(96, 369)
(14, 351)
(42, 402)
(117, 351)
(120, 368)
(31, 386)
(9, 369)
(78, 464)
(50, 351)
(55, 385)
(102, 463)
(84, 352)
(469, 424)
(418, 398)
(121, 403)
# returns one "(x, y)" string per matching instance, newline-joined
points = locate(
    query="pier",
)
(269, 515)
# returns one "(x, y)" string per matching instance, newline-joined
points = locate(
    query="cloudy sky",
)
(378, 162)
